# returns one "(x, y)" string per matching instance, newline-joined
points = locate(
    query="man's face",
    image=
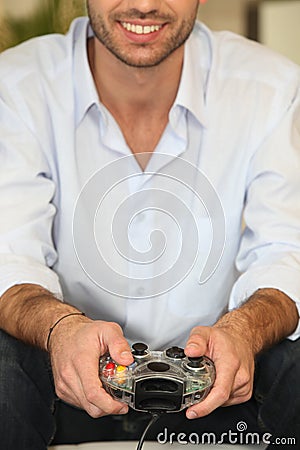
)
(142, 33)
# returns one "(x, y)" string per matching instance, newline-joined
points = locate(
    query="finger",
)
(118, 347)
(93, 393)
(78, 383)
(90, 393)
(243, 387)
(197, 343)
(219, 394)
(216, 398)
(237, 400)
(228, 390)
(240, 395)
(107, 406)
(93, 399)
(67, 385)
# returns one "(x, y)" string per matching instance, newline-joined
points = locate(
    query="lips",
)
(142, 31)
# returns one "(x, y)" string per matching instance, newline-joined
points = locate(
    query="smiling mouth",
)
(140, 29)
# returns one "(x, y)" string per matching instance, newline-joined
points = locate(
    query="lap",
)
(276, 386)
(275, 367)
(27, 396)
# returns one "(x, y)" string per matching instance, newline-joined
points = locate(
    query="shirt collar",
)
(197, 60)
(192, 88)
(85, 91)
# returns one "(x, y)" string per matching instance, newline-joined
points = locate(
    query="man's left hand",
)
(234, 361)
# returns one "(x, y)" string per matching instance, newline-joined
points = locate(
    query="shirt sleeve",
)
(269, 254)
(27, 253)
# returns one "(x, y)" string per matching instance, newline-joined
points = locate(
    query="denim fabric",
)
(277, 390)
(26, 397)
(27, 403)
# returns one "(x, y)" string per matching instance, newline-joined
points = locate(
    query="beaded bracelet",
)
(57, 322)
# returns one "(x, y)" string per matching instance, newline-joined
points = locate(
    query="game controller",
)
(158, 381)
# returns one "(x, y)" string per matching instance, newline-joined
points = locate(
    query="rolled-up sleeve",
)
(269, 255)
(27, 253)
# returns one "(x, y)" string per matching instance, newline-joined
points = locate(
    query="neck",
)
(126, 90)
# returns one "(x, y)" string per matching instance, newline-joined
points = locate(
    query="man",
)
(151, 90)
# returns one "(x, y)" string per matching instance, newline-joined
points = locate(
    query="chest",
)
(143, 136)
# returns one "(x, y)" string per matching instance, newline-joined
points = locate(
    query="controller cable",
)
(154, 417)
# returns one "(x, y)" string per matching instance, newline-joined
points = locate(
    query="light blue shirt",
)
(159, 251)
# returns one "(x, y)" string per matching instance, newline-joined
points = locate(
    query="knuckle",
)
(92, 396)
(93, 411)
(235, 367)
(115, 326)
(244, 379)
(224, 394)
(65, 374)
(196, 338)
(106, 326)
(196, 331)
(244, 397)
(248, 396)
(244, 375)
(60, 387)
(62, 394)
(248, 392)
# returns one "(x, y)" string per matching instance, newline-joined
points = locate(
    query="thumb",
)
(197, 344)
(117, 345)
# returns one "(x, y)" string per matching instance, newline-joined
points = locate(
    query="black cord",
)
(154, 418)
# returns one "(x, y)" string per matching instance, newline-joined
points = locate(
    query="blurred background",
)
(275, 23)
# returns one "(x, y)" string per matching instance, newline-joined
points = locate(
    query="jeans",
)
(29, 408)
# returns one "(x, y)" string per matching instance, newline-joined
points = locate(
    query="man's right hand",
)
(27, 311)
(76, 345)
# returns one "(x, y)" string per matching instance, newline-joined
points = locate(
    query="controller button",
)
(110, 365)
(158, 366)
(121, 374)
(175, 353)
(132, 366)
(195, 363)
(140, 349)
(109, 369)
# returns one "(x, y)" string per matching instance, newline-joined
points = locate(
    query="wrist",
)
(64, 317)
(63, 325)
(240, 328)
(267, 317)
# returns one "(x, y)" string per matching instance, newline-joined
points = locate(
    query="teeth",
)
(139, 29)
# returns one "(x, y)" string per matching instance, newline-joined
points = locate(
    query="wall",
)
(278, 21)
(17, 8)
(279, 26)
(226, 14)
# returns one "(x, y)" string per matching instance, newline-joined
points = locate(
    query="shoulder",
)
(235, 57)
(40, 57)
(249, 89)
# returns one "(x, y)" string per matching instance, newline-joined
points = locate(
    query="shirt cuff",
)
(286, 280)
(16, 270)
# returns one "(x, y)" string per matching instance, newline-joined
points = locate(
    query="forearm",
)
(28, 311)
(266, 318)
